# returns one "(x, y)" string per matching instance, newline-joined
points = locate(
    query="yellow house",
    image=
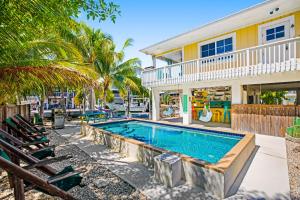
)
(253, 48)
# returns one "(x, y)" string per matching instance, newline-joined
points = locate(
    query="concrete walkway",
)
(265, 176)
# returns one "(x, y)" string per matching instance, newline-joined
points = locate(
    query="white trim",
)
(291, 19)
(171, 52)
(250, 16)
(233, 35)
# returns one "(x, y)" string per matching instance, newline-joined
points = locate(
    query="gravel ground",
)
(99, 183)
(293, 154)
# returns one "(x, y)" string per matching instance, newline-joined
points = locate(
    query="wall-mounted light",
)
(274, 10)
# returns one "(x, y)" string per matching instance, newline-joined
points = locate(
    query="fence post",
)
(29, 111)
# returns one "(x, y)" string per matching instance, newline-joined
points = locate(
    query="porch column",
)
(154, 61)
(155, 104)
(186, 106)
(180, 106)
(237, 93)
(298, 96)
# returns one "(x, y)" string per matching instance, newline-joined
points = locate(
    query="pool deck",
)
(265, 174)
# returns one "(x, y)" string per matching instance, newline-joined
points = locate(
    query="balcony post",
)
(155, 104)
(248, 62)
(187, 106)
(198, 70)
(165, 74)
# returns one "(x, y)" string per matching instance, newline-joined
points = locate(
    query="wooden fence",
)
(263, 119)
(11, 110)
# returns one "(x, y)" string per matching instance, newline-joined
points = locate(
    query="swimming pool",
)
(201, 144)
(210, 159)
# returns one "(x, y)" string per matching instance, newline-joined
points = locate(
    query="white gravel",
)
(293, 154)
(113, 189)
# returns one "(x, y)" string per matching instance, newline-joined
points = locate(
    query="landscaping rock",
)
(100, 183)
(293, 155)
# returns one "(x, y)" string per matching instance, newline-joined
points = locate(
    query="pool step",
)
(168, 169)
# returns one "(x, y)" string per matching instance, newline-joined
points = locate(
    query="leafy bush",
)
(273, 97)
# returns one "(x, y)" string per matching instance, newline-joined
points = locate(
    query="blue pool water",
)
(208, 146)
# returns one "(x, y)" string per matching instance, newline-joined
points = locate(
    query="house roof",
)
(249, 16)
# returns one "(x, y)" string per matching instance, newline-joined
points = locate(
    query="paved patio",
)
(265, 175)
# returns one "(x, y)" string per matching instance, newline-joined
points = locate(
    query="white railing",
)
(264, 59)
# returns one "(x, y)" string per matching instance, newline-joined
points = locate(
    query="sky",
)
(150, 21)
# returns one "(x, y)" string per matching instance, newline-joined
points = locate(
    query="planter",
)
(293, 139)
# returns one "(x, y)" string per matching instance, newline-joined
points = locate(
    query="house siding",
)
(245, 37)
(191, 52)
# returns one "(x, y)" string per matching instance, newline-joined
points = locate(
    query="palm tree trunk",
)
(104, 98)
(128, 101)
(92, 99)
(83, 102)
(42, 101)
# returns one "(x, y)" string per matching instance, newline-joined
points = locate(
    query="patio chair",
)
(65, 179)
(26, 128)
(18, 131)
(37, 152)
(208, 114)
(226, 113)
(56, 185)
(29, 124)
(169, 112)
(37, 119)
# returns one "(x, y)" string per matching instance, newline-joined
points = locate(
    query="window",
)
(218, 47)
(208, 50)
(275, 33)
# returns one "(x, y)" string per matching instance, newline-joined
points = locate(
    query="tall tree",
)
(33, 55)
(115, 71)
(88, 42)
(99, 54)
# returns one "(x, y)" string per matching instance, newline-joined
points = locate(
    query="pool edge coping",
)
(221, 166)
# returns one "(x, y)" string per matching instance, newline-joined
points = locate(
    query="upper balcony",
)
(264, 59)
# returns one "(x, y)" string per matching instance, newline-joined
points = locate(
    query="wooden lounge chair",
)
(21, 176)
(63, 180)
(24, 127)
(31, 147)
(37, 119)
(16, 130)
(29, 125)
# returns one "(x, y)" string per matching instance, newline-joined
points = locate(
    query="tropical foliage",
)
(104, 62)
(117, 72)
(42, 47)
(33, 55)
(166, 98)
(273, 97)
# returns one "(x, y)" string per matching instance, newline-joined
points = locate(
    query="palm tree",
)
(88, 43)
(98, 52)
(115, 71)
(34, 57)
